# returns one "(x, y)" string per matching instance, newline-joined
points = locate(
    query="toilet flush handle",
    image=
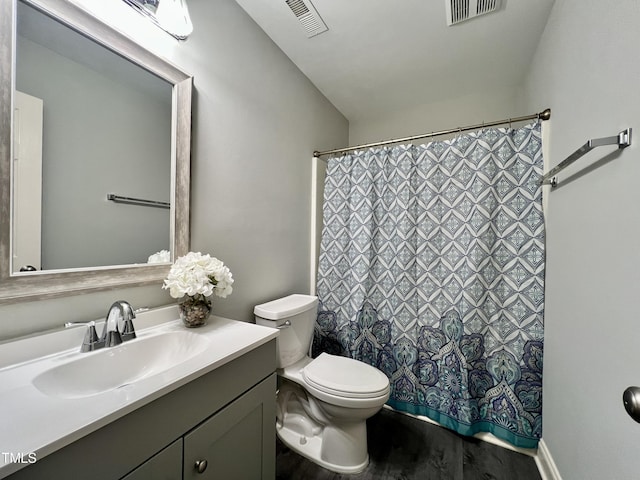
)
(286, 324)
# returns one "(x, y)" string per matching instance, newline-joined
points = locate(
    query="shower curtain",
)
(431, 269)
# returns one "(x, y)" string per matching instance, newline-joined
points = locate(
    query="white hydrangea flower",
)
(196, 274)
(163, 256)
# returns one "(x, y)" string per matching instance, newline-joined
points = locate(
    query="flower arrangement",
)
(163, 256)
(197, 277)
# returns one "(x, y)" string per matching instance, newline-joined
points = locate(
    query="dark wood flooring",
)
(405, 448)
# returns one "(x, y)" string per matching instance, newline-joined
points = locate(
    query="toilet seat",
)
(345, 382)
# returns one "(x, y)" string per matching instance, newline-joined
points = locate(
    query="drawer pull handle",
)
(201, 466)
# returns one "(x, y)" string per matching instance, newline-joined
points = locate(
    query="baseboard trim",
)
(545, 463)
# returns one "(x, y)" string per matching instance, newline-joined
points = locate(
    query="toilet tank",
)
(295, 338)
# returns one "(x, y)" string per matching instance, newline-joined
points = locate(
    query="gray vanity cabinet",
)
(165, 465)
(234, 442)
(225, 418)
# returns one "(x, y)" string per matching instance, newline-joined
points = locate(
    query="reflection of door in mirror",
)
(106, 129)
(27, 181)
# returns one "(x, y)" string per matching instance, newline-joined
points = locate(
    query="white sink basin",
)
(51, 394)
(112, 368)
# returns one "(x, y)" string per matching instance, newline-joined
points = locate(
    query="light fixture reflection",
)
(170, 15)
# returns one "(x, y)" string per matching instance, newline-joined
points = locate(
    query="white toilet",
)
(322, 404)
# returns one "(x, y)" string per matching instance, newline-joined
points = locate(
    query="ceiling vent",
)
(461, 10)
(308, 17)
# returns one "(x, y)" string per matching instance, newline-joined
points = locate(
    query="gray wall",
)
(586, 69)
(443, 115)
(100, 135)
(256, 122)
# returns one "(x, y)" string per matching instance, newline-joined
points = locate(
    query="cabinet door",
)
(238, 442)
(165, 465)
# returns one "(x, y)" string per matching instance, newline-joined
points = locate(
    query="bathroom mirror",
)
(114, 120)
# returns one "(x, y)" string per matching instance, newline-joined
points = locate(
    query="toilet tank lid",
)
(286, 306)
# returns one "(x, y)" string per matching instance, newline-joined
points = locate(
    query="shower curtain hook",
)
(510, 127)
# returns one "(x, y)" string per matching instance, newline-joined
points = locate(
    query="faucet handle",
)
(128, 314)
(90, 342)
(79, 324)
(128, 332)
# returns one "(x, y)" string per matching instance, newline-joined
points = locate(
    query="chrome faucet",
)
(111, 334)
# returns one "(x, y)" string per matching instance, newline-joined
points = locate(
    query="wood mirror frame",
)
(49, 284)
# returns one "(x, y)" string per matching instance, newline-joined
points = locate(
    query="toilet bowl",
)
(322, 403)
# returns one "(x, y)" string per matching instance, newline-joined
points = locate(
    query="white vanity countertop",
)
(34, 424)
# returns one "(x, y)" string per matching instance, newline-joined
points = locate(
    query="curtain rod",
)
(544, 115)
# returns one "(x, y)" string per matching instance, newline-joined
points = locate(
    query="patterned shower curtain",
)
(432, 269)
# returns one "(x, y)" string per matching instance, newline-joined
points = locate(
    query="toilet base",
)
(311, 449)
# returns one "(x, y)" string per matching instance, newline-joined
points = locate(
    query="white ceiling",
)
(381, 56)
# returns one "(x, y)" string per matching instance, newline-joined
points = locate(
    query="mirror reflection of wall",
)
(106, 128)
